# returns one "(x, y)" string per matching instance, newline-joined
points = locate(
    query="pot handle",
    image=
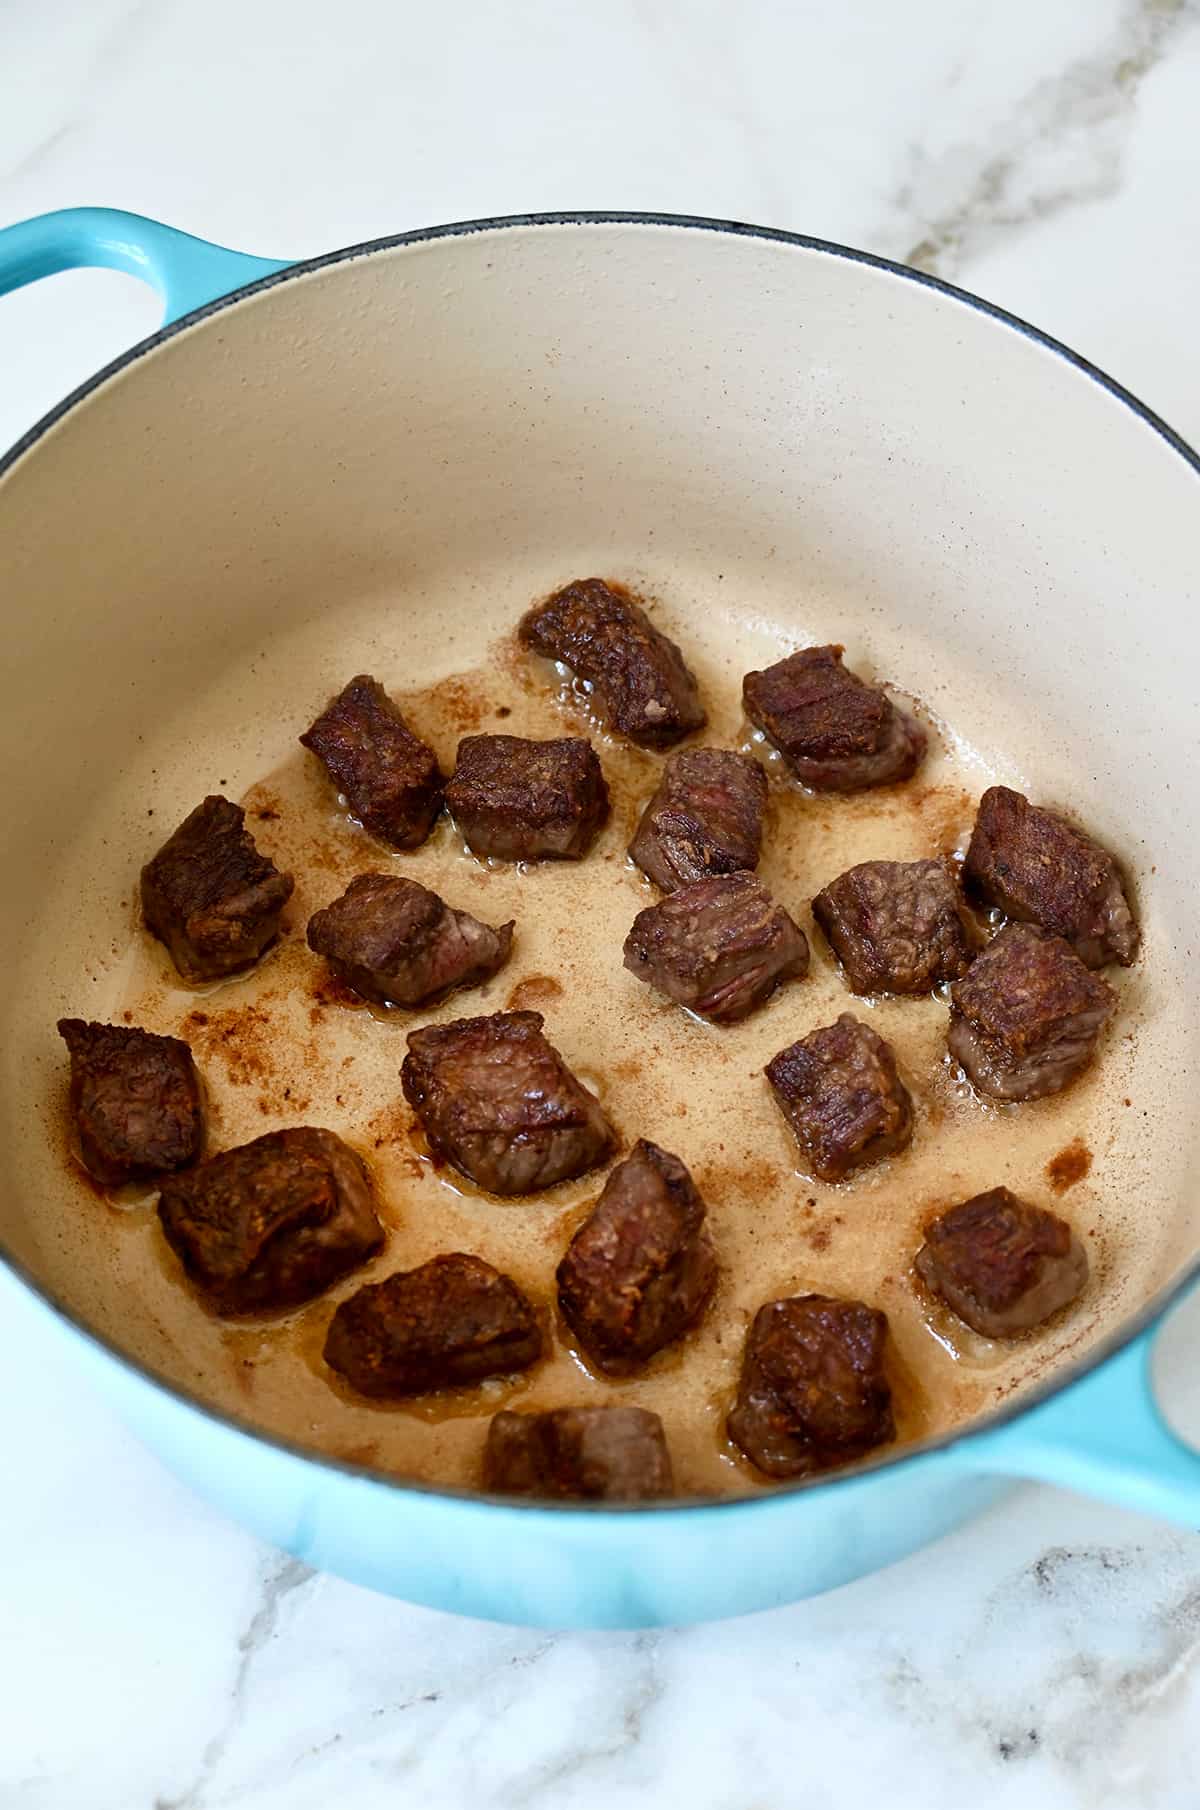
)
(1103, 1435)
(186, 272)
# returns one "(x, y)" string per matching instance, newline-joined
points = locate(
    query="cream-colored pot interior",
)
(376, 466)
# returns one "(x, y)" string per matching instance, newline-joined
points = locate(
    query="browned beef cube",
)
(389, 777)
(896, 926)
(1040, 869)
(638, 680)
(395, 941)
(210, 896)
(274, 1222)
(813, 1391)
(840, 1093)
(641, 1267)
(836, 733)
(706, 818)
(135, 1101)
(1025, 1017)
(719, 947)
(1002, 1265)
(453, 1321)
(497, 1100)
(605, 1454)
(528, 801)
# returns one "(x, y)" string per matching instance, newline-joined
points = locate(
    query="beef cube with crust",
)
(705, 818)
(524, 800)
(813, 1393)
(1000, 1264)
(1038, 868)
(836, 733)
(453, 1321)
(719, 946)
(601, 1454)
(389, 776)
(896, 926)
(135, 1101)
(396, 942)
(211, 896)
(1025, 1017)
(841, 1094)
(274, 1222)
(641, 1268)
(496, 1099)
(639, 682)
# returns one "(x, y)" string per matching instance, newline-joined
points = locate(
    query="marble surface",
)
(1042, 152)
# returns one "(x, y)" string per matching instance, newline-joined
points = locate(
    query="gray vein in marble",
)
(611, 1736)
(1063, 146)
(1071, 1718)
(376, 1715)
(286, 1576)
(717, 90)
(40, 151)
(125, 30)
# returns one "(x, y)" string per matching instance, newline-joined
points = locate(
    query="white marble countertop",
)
(1042, 152)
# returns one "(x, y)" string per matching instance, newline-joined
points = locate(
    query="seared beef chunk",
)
(840, 1093)
(453, 1321)
(389, 776)
(1025, 1018)
(836, 733)
(135, 1100)
(813, 1391)
(638, 680)
(610, 1454)
(528, 801)
(497, 1100)
(1038, 868)
(719, 946)
(210, 896)
(706, 818)
(895, 926)
(1002, 1265)
(274, 1222)
(640, 1269)
(397, 942)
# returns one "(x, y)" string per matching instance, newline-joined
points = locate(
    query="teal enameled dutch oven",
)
(856, 449)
